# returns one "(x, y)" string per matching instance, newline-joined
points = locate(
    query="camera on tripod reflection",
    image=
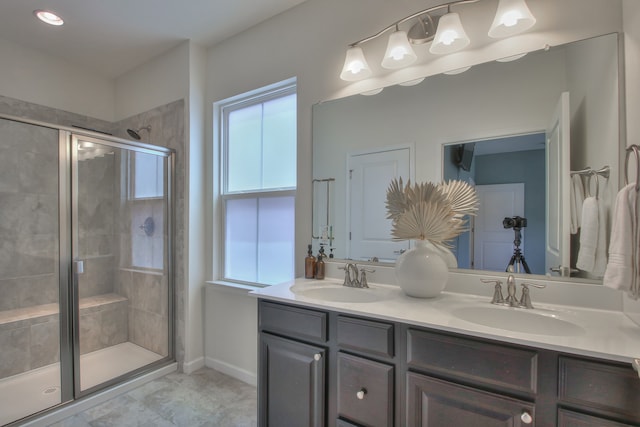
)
(515, 222)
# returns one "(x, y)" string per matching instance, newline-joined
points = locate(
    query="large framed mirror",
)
(491, 125)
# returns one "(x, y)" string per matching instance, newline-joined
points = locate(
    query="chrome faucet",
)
(511, 300)
(363, 277)
(497, 291)
(353, 277)
(352, 269)
(525, 299)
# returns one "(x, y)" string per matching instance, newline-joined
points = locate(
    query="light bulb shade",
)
(355, 65)
(512, 17)
(399, 52)
(450, 36)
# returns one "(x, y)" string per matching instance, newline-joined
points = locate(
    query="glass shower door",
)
(30, 254)
(121, 260)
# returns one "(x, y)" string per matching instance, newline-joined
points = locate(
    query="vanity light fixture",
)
(443, 30)
(355, 65)
(512, 57)
(457, 71)
(512, 17)
(412, 82)
(450, 36)
(399, 52)
(48, 17)
(371, 92)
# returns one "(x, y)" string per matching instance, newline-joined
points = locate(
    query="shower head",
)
(135, 133)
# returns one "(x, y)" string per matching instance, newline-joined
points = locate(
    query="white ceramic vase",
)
(421, 271)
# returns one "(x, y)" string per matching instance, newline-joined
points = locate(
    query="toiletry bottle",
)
(320, 264)
(309, 265)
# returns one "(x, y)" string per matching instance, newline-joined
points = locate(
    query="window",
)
(258, 163)
(146, 173)
(146, 208)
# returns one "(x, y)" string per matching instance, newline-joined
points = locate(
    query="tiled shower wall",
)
(28, 216)
(28, 246)
(97, 197)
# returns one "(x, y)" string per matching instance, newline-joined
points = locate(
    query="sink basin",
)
(337, 293)
(543, 322)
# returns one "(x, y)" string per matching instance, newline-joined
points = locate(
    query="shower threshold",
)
(25, 394)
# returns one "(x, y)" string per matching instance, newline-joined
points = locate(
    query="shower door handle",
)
(78, 266)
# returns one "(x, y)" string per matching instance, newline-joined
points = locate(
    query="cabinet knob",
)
(317, 356)
(526, 417)
(360, 394)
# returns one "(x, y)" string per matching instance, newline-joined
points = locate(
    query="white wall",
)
(195, 206)
(161, 80)
(595, 124)
(39, 78)
(231, 335)
(309, 42)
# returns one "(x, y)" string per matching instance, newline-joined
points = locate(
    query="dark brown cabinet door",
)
(436, 403)
(292, 383)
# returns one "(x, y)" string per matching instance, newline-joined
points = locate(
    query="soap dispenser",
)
(309, 264)
(320, 264)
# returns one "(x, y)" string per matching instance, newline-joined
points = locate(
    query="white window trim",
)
(220, 110)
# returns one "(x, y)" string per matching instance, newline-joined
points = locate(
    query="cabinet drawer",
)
(365, 391)
(365, 335)
(293, 321)
(501, 366)
(574, 419)
(600, 387)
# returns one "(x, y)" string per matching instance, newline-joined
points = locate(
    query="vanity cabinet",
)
(323, 368)
(292, 369)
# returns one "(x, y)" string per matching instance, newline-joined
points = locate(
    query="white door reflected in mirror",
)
(369, 176)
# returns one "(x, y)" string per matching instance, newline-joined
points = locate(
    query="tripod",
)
(517, 259)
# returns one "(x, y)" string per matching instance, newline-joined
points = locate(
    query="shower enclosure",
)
(85, 264)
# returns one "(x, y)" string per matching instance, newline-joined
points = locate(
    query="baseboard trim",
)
(233, 371)
(190, 367)
(82, 405)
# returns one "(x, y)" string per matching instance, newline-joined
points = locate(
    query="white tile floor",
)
(39, 389)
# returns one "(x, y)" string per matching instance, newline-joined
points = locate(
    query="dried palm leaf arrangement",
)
(427, 211)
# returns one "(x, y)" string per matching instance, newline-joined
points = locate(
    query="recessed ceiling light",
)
(48, 17)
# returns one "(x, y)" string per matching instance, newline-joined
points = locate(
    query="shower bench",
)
(30, 336)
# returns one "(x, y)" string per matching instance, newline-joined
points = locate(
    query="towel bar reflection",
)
(604, 172)
(635, 149)
(327, 202)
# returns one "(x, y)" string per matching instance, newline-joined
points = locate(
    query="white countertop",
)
(595, 333)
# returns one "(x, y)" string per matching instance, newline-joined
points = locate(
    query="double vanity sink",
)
(343, 356)
(584, 331)
(541, 321)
